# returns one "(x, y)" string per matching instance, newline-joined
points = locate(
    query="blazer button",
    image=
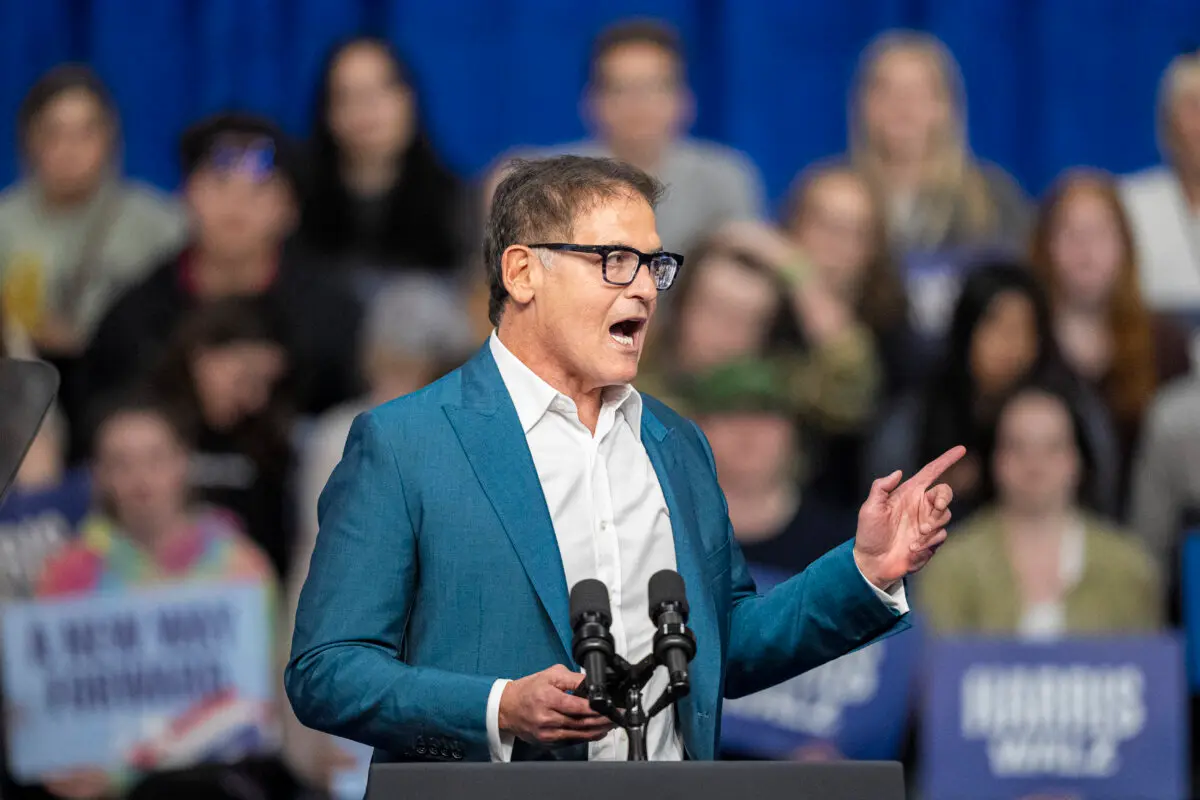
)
(456, 755)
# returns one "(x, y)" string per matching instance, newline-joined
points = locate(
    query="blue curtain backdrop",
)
(1051, 83)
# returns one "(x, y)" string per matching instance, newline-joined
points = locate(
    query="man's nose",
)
(644, 286)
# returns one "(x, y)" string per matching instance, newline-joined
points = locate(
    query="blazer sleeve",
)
(823, 613)
(346, 675)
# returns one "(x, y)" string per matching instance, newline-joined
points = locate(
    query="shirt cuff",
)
(500, 745)
(894, 598)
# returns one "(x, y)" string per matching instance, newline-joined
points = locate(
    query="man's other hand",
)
(538, 709)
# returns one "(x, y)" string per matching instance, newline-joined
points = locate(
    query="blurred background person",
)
(748, 291)
(746, 409)
(146, 530)
(240, 182)
(908, 136)
(1083, 255)
(414, 333)
(1165, 501)
(1164, 201)
(639, 108)
(225, 378)
(1035, 562)
(1000, 335)
(73, 232)
(379, 198)
(839, 224)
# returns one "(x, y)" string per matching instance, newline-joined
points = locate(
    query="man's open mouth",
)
(626, 331)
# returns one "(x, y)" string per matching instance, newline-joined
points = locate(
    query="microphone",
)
(592, 646)
(674, 642)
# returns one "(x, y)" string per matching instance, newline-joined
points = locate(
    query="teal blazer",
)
(436, 571)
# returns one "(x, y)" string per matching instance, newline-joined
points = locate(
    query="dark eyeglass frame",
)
(605, 250)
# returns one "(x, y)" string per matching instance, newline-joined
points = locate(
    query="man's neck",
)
(759, 511)
(215, 276)
(370, 176)
(54, 204)
(529, 351)
(904, 172)
(1189, 181)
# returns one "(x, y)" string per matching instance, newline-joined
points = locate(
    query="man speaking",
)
(434, 621)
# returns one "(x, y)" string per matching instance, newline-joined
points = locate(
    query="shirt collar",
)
(533, 397)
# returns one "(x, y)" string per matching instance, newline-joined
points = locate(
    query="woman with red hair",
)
(1083, 254)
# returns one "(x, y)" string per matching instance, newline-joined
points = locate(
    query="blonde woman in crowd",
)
(908, 137)
(1164, 202)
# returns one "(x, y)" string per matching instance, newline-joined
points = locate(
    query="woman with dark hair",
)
(1083, 253)
(378, 199)
(73, 233)
(1000, 334)
(1035, 562)
(225, 378)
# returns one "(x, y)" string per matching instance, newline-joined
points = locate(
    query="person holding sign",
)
(434, 625)
(1034, 562)
(144, 533)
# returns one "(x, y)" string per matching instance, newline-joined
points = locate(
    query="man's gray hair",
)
(538, 201)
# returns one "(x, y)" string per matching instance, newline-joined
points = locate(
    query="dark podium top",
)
(695, 780)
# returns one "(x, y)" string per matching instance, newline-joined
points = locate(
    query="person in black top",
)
(748, 414)
(239, 186)
(378, 198)
(225, 379)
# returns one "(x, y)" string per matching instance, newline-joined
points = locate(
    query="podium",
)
(692, 780)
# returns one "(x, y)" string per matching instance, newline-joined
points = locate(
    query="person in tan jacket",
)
(1033, 562)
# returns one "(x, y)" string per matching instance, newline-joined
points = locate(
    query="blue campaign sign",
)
(1094, 719)
(141, 680)
(1190, 581)
(854, 707)
(33, 524)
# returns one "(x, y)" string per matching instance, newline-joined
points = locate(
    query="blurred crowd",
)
(215, 345)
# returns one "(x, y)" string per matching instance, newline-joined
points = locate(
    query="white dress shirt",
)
(612, 524)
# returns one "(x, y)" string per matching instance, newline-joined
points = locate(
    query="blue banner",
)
(1093, 719)
(141, 680)
(34, 524)
(854, 707)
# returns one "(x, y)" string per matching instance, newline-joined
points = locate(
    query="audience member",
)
(639, 107)
(1000, 335)
(414, 332)
(839, 223)
(239, 186)
(379, 198)
(747, 412)
(908, 137)
(747, 292)
(145, 531)
(224, 377)
(1083, 255)
(1035, 563)
(1164, 202)
(1166, 475)
(73, 232)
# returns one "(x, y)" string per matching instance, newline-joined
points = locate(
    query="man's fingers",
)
(561, 677)
(934, 469)
(940, 496)
(882, 487)
(569, 704)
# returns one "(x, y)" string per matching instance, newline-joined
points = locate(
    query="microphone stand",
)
(627, 681)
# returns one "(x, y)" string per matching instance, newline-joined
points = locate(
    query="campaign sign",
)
(1095, 719)
(854, 707)
(1190, 584)
(34, 524)
(144, 680)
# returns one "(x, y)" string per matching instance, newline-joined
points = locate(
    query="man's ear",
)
(521, 272)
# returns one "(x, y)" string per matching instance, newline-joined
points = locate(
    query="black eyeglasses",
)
(620, 264)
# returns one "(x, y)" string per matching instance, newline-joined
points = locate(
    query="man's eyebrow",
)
(656, 249)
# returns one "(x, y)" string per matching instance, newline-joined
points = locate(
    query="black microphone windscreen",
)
(589, 596)
(666, 586)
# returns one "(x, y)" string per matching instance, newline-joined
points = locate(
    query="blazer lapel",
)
(491, 435)
(661, 445)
